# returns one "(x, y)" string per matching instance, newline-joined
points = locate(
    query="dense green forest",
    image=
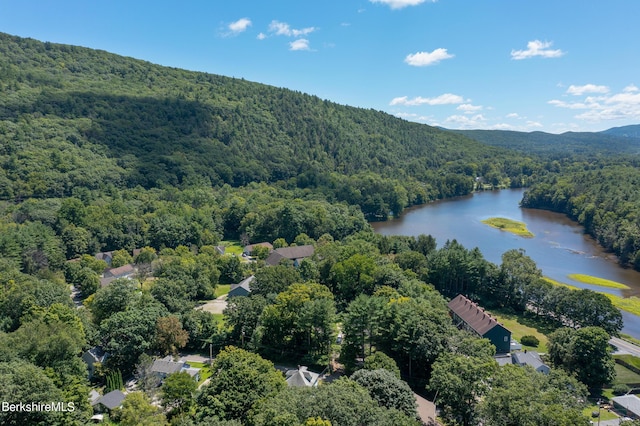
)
(73, 118)
(105, 153)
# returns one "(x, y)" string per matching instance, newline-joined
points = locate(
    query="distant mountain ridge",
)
(631, 131)
(615, 141)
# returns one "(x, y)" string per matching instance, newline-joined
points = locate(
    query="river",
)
(559, 248)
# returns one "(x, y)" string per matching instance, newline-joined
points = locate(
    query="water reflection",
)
(559, 247)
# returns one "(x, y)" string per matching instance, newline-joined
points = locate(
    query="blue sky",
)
(521, 65)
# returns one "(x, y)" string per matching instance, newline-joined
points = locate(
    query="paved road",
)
(625, 347)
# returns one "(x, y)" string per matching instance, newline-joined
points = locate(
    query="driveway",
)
(215, 306)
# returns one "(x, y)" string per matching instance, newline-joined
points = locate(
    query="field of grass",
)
(626, 376)
(515, 324)
(513, 226)
(588, 279)
(627, 304)
(222, 289)
(558, 283)
(232, 247)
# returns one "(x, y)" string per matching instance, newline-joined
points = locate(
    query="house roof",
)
(244, 284)
(166, 366)
(473, 315)
(302, 377)
(103, 255)
(291, 253)
(121, 270)
(97, 353)
(111, 400)
(250, 247)
(296, 252)
(531, 358)
(629, 402)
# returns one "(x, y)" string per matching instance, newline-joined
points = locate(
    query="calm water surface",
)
(559, 247)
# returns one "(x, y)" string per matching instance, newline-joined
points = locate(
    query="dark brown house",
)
(469, 316)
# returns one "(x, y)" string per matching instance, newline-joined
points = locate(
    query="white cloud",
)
(282, 28)
(537, 48)
(466, 122)
(623, 105)
(240, 25)
(513, 115)
(587, 88)
(423, 59)
(469, 109)
(445, 99)
(300, 44)
(399, 4)
(261, 36)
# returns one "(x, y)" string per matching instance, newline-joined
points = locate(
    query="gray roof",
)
(503, 359)
(166, 366)
(244, 284)
(531, 358)
(248, 249)
(97, 354)
(302, 377)
(120, 271)
(473, 315)
(291, 253)
(296, 252)
(629, 402)
(111, 400)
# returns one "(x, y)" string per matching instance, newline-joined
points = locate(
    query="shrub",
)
(530, 341)
(620, 389)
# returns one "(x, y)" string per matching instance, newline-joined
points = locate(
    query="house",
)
(165, 366)
(109, 401)
(110, 274)
(469, 316)
(302, 377)
(249, 249)
(242, 288)
(294, 254)
(124, 271)
(93, 356)
(629, 403)
(107, 256)
(532, 359)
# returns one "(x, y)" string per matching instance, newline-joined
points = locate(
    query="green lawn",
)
(626, 376)
(222, 289)
(588, 279)
(232, 247)
(205, 371)
(509, 225)
(604, 414)
(519, 327)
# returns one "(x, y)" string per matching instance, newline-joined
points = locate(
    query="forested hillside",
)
(73, 117)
